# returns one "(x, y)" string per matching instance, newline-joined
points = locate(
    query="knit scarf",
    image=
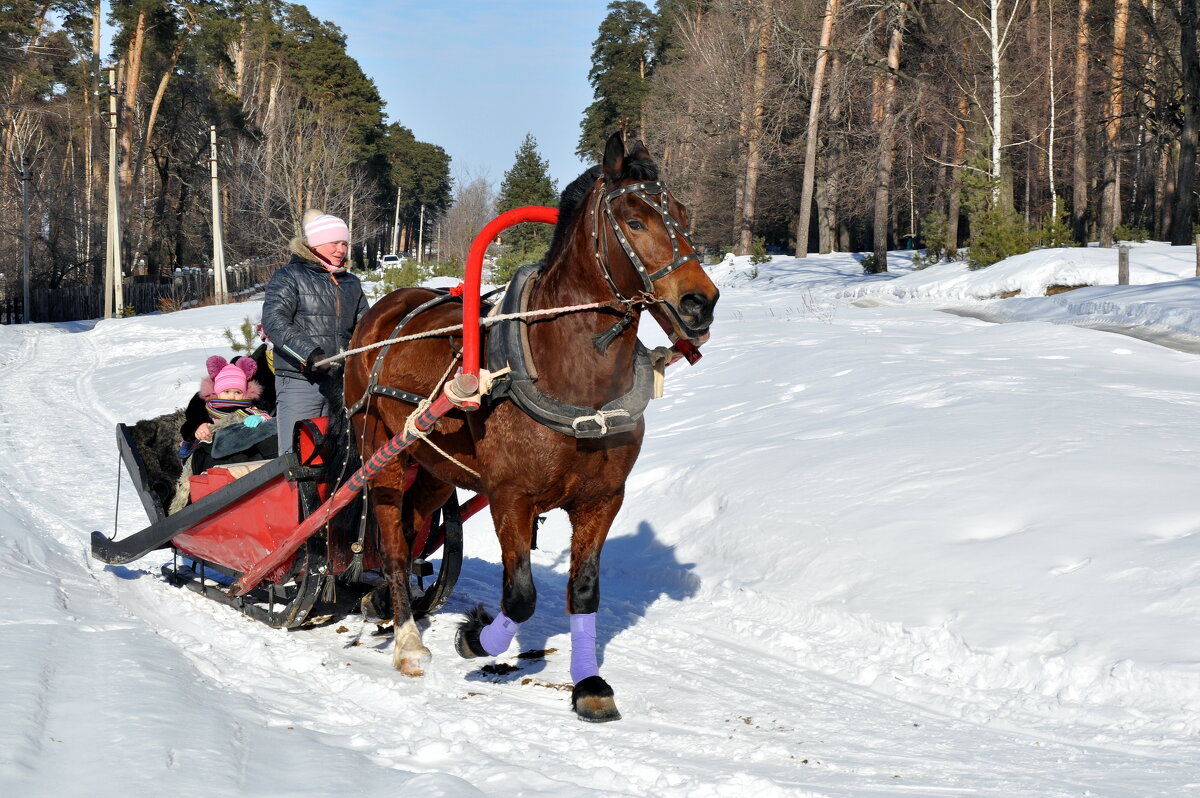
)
(229, 411)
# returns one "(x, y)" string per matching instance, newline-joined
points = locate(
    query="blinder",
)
(675, 231)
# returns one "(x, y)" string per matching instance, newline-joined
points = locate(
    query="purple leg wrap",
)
(583, 647)
(496, 636)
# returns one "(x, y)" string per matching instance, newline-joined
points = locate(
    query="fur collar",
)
(301, 250)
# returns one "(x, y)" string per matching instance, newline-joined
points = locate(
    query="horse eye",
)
(634, 224)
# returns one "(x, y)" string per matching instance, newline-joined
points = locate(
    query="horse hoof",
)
(412, 663)
(467, 644)
(593, 701)
(466, 640)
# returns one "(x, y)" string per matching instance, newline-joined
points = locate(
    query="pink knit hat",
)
(226, 375)
(322, 228)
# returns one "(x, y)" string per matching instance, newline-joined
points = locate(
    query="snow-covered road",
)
(866, 552)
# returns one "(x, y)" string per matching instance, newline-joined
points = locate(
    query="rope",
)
(412, 431)
(486, 321)
(117, 507)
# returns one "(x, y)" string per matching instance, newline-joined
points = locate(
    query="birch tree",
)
(814, 114)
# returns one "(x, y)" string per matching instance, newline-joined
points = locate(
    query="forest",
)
(869, 125)
(784, 125)
(298, 124)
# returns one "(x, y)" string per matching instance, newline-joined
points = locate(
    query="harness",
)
(508, 346)
(374, 388)
(508, 342)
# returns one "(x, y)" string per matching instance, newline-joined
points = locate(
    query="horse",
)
(620, 244)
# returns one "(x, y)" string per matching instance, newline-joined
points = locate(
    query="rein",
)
(485, 321)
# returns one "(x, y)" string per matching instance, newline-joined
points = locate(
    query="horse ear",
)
(614, 157)
(639, 152)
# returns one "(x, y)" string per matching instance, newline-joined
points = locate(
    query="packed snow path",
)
(865, 552)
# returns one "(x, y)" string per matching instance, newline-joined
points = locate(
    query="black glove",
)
(310, 368)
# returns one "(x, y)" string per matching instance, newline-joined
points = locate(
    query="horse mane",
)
(570, 203)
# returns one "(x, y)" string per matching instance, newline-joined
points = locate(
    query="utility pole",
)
(350, 231)
(24, 240)
(349, 234)
(220, 288)
(396, 225)
(114, 294)
(421, 236)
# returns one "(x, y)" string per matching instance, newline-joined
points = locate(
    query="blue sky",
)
(474, 76)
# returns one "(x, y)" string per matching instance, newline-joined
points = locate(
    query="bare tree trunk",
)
(91, 164)
(1053, 115)
(831, 165)
(954, 206)
(156, 104)
(1184, 199)
(754, 142)
(743, 139)
(887, 130)
(1079, 177)
(1164, 191)
(128, 119)
(814, 113)
(1109, 186)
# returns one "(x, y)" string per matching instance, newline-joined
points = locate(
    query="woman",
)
(311, 308)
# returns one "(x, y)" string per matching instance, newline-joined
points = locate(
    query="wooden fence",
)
(185, 288)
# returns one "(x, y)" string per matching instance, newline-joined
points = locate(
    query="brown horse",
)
(620, 242)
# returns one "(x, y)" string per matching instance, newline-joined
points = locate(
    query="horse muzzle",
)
(693, 316)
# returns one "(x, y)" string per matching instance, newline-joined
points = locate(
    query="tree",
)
(527, 182)
(1185, 200)
(474, 206)
(814, 114)
(886, 156)
(1114, 100)
(760, 25)
(1079, 191)
(420, 173)
(622, 64)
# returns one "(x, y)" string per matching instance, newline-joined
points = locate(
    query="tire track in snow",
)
(698, 680)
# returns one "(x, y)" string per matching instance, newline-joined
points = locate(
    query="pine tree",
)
(526, 183)
(622, 63)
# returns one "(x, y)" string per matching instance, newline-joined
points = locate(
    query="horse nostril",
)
(699, 307)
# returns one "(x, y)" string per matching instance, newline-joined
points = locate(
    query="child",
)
(221, 423)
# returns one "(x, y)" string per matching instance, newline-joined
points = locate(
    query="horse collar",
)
(508, 345)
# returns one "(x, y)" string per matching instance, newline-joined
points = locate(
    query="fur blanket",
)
(157, 440)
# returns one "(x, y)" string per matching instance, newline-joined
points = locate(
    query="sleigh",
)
(266, 538)
(244, 513)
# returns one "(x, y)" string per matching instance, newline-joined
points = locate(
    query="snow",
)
(877, 543)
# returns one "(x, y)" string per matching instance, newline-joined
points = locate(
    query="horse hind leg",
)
(409, 654)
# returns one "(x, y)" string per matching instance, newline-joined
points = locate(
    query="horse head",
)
(641, 243)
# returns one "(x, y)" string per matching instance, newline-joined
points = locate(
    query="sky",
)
(474, 76)
(874, 545)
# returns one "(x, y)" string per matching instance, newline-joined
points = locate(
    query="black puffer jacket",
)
(307, 308)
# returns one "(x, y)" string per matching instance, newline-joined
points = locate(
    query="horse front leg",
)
(409, 654)
(592, 698)
(481, 635)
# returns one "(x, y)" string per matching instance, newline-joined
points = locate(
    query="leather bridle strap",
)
(675, 231)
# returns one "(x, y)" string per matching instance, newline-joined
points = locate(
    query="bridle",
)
(643, 191)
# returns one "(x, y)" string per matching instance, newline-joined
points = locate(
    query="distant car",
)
(390, 261)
